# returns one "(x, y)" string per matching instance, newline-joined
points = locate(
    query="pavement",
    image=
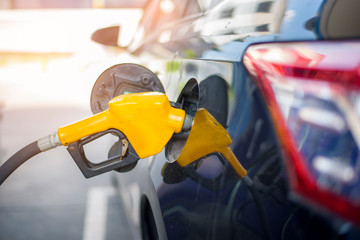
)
(48, 197)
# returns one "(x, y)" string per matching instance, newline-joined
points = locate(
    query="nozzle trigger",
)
(89, 169)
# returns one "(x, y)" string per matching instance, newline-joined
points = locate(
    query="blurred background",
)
(48, 65)
(50, 41)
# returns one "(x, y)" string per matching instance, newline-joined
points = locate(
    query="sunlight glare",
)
(47, 57)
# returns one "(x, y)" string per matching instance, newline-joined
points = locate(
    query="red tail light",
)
(313, 93)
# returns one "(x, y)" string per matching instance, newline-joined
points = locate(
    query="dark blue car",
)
(283, 78)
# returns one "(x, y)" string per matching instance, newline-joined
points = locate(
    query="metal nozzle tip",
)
(188, 122)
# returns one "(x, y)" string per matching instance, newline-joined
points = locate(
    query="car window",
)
(173, 10)
(192, 8)
(157, 13)
(160, 13)
(209, 4)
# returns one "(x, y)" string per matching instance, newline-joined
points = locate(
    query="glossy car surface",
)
(197, 49)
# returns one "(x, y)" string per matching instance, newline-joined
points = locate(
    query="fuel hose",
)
(260, 206)
(17, 160)
(27, 152)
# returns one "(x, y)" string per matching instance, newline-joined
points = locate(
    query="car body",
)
(208, 54)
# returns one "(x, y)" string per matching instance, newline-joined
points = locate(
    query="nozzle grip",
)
(86, 127)
(147, 120)
(90, 169)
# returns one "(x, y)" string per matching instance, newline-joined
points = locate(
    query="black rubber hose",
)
(17, 160)
(261, 209)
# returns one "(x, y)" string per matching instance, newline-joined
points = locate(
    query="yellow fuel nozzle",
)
(208, 136)
(146, 119)
(144, 123)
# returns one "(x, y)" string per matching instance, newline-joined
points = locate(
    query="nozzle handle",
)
(147, 120)
(90, 169)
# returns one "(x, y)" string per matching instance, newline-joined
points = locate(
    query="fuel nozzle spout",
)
(188, 123)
